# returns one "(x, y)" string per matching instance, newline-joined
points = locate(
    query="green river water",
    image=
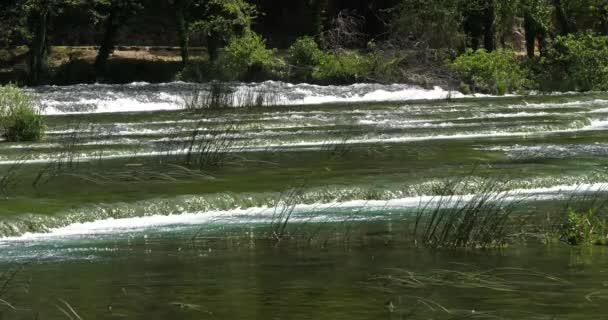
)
(114, 215)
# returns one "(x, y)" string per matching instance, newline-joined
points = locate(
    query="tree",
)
(222, 20)
(29, 21)
(38, 22)
(537, 24)
(506, 17)
(182, 8)
(430, 24)
(114, 14)
(564, 24)
(479, 18)
(218, 20)
(13, 24)
(319, 10)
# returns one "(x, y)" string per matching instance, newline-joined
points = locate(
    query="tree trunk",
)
(107, 45)
(475, 43)
(319, 8)
(213, 45)
(542, 42)
(563, 25)
(38, 47)
(603, 25)
(489, 41)
(530, 34)
(182, 31)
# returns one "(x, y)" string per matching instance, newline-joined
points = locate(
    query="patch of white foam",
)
(143, 97)
(110, 106)
(392, 93)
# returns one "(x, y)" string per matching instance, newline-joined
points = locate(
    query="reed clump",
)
(10, 177)
(203, 149)
(220, 95)
(480, 220)
(586, 219)
(283, 212)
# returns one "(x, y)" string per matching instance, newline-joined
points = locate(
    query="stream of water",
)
(113, 216)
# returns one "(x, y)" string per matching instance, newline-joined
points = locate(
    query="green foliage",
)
(342, 67)
(247, 57)
(539, 11)
(497, 72)
(19, 118)
(303, 57)
(464, 89)
(226, 18)
(585, 228)
(310, 63)
(435, 24)
(577, 62)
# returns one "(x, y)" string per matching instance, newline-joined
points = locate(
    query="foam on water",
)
(301, 213)
(137, 97)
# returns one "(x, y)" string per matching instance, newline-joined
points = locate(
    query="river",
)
(299, 208)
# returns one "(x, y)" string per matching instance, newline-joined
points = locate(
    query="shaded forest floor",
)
(157, 64)
(70, 65)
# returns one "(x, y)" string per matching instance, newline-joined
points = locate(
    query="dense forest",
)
(480, 45)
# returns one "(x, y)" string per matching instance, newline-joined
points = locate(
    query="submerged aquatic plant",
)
(481, 220)
(6, 278)
(497, 279)
(67, 310)
(10, 176)
(411, 291)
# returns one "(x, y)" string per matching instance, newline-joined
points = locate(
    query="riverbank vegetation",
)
(484, 46)
(20, 118)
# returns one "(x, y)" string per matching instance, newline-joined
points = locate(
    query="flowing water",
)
(116, 215)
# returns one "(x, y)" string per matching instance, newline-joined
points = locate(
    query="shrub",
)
(585, 227)
(342, 67)
(464, 89)
(20, 119)
(496, 72)
(303, 57)
(577, 62)
(247, 58)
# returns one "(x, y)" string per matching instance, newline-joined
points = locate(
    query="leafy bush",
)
(577, 62)
(247, 58)
(20, 120)
(496, 72)
(303, 57)
(585, 227)
(342, 67)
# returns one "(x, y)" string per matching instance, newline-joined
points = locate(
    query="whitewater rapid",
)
(356, 210)
(143, 97)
